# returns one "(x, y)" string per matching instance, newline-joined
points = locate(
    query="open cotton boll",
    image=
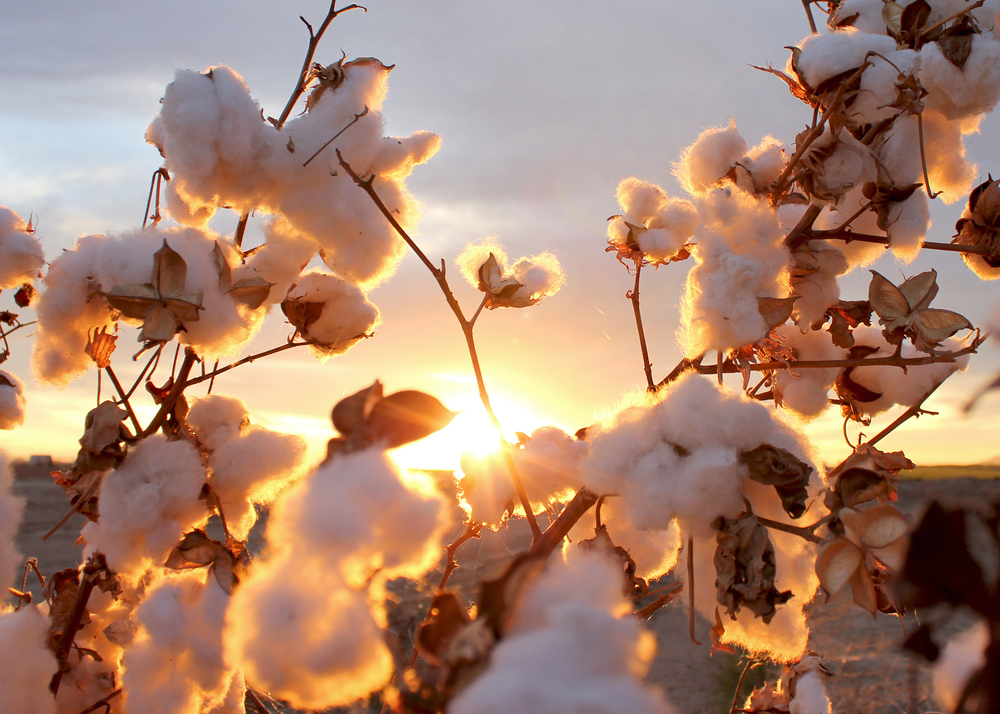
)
(486, 488)
(474, 255)
(805, 391)
(317, 645)
(678, 456)
(894, 384)
(541, 275)
(11, 401)
(810, 695)
(284, 254)
(816, 267)
(329, 312)
(360, 515)
(761, 167)
(147, 504)
(962, 657)
(549, 463)
(216, 419)
(947, 167)
(856, 253)
(568, 650)
(741, 257)
(252, 468)
(66, 311)
(21, 256)
(909, 222)
(26, 663)
(709, 158)
(641, 200)
(862, 15)
(877, 93)
(824, 56)
(10, 519)
(220, 151)
(960, 93)
(176, 663)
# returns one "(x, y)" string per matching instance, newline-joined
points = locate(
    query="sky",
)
(543, 109)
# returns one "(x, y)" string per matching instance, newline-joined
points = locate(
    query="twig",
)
(154, 189)
(124, 398)
(245, 360)
(746, 668)
(65, 643)
(80, 503)
(351, 123)
(807, 4)
(849, 236)
(180, 384)
(467, 332)
(685, 365)
(806, 532)
(646, 612)
(472, 530)
(923, 156)
(314, 39)
(102, 702)
(930, 28)
(554, 534)
(690, 574)
(633, 295)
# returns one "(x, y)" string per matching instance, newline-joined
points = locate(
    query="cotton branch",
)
(467, 331)
(245, 360)
(633, 295)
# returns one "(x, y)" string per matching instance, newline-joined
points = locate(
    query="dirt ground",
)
(870, 672)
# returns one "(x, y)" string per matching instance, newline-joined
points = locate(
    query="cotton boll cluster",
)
(26, 664)
(962, 657)
(247, 464)
(895, 385)
(330, 313)
(147, 504)
(524, 283)
(11, 401)
(761, 167)
(220, 151)
(71, 305)
(355, 518)
(10, 519)
(21, 256)
(569, 649)
(804, 391)
(678, 456)
(547, 464)
(176, 663)
(740, 257)
(960, 93)
(657, 225)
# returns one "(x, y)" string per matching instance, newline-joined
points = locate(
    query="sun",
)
(470, 431)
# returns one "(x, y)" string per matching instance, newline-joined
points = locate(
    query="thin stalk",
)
(554, 534)
(685, 365)
(124, 397)
(73, 622)
(923, 156)
(930, 28)
(314, 40)
(467, 332)
(690, 574)
(807, 4)
(102, 702)
(633, 295)
(245, 360)
(351, 123)
(180, 384)
(746, 668)
(644, 613)
(849, 236)
(138, 380)
(801, 531)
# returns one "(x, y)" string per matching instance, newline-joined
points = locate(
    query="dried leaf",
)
(776, 311)
(886, 299)
(498, 597)
(745, 568)
(121, 632)
(892, 15)
(780, 468)
(100, 347)
(25, 295)
(252, 292)
(353, 411)
(103, 427)
(222, 267)
(195, 550)
(169, 271)
(836, 564)
(161, 324)
(446, 618)
(407, 416)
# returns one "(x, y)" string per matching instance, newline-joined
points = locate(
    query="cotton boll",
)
(486, 488)
(252, 468)
(899, 154)
(810, 695)
(176, 662)
(282, 257)
(317, 645)
(359, 516)
(541, 275)
(741, 257)
(398, 156)
(959, 93)
(669, 230)
(655, 552)
(909, 222)
(961, 659)
(10, 519)
(26, 664)
(947, 167)
(66, 312)
(147, 504)
(816, 267)
(877, 93)
(568, 650)
(709, 158)
(824, 56)
(640, 200)
(21, 256)
(216, 419)
(856, 253)
(763, 165)
(11, 401)
(805, 391)
(474, 255)
(345, 315)
(862, 15)
(549, 463)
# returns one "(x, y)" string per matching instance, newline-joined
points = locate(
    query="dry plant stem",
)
(739, 682)
(65, 643)
(241, 229)
(124, 398)
(351, 123)
(180, 384)
(467, 332)
(923, 156)
(803, 229)
(955, 15)
(245, 360)
(646, 612)
(685, 365)
(849, 236)
(546, 544)
(138, 380)
(633, 295)
(80, 502)
(690, 589)
(801, 531)
(807, 4)
(102, 702)
(891, 361)
(314, 40)
(472, 530)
